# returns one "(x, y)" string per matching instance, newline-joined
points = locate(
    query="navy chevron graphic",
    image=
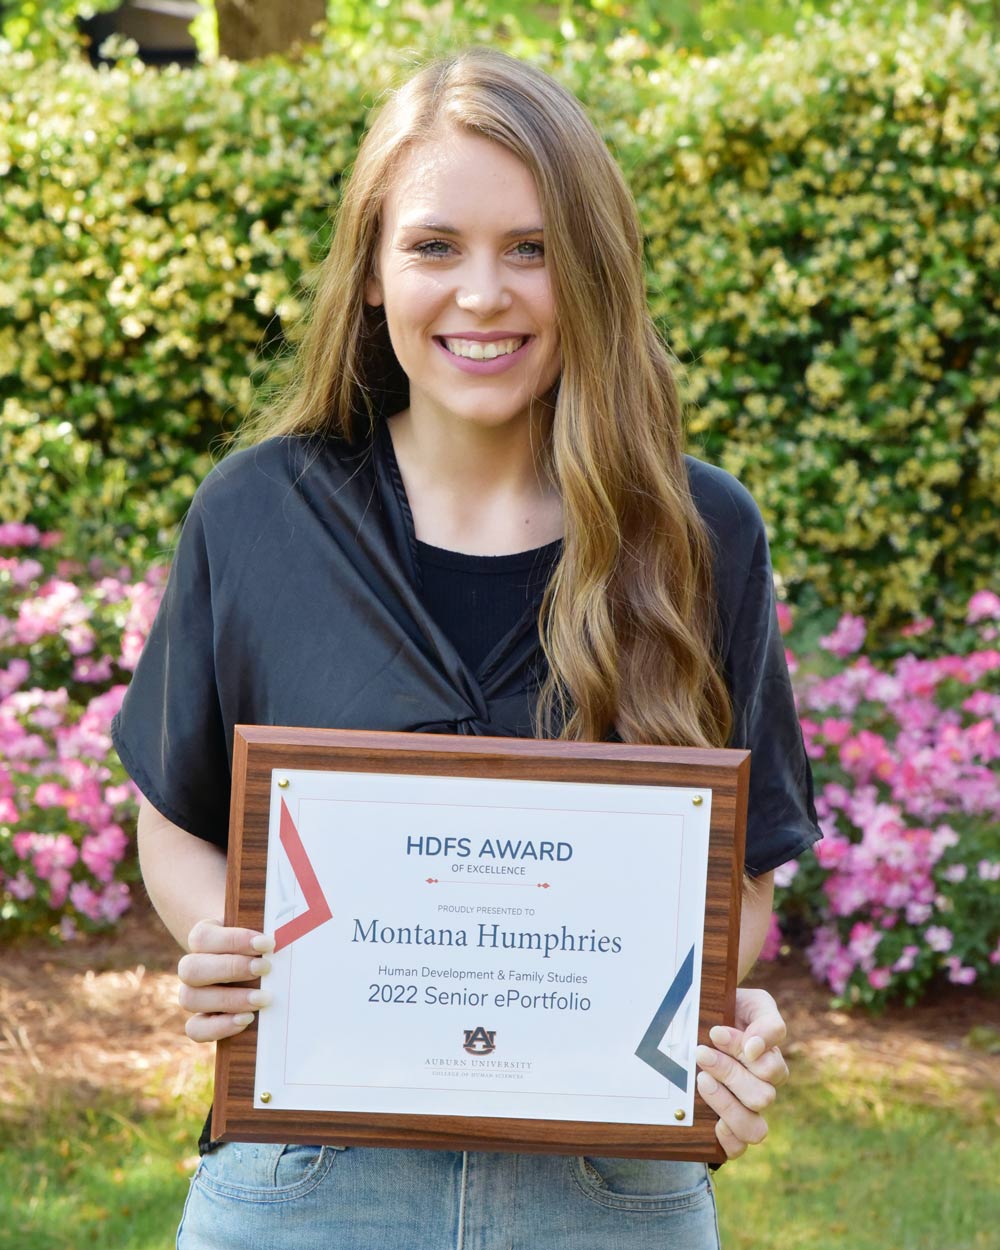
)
(648, 1049)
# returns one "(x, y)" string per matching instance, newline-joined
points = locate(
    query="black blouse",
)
(477, 600)
(294, 598)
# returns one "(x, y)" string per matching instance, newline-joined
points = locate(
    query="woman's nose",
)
(483, 291)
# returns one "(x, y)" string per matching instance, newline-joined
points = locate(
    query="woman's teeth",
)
(483, 351)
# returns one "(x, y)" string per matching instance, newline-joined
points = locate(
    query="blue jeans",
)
(249, 1196)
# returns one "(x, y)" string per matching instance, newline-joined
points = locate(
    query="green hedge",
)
(823, 243)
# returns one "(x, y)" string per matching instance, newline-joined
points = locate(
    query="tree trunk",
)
(254, 28)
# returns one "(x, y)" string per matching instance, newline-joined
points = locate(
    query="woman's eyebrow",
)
(438, 227)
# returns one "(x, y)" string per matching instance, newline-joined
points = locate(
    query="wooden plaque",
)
(278, 774)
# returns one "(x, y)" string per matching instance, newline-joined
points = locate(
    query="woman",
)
(470, 514)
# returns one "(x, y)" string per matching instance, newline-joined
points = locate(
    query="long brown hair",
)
(628, 620)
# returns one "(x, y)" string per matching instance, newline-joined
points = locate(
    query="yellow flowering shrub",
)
(824, 247)
(823, 243)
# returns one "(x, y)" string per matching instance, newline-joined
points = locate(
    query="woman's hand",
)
(741, 1075)
(211, 974)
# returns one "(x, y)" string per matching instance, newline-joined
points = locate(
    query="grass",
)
(99, 1180)
(856, 1165)
(106, 1175)
(853, 1162)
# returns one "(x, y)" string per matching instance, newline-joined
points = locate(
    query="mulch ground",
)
(100, 1017)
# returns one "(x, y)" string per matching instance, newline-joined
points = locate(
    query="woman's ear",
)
(373, 290)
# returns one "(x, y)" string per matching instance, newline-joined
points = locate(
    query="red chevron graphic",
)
(318, 909)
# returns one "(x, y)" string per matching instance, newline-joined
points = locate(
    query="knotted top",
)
(294, 599)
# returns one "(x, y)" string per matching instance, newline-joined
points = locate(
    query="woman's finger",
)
(751, 1090)
(768, 1064)
(748, 1126)
(728, 1140)
(198, 969)
(757, 1016)
(208, 937)
(770, 1067)
(213, 1028)
(216, 998)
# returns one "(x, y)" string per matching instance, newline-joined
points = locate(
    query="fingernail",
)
(720, 1035)
(754, 1048)
(706, 1056)
(707, 1083)
(262, 943)
(243, 1019)
(260, 966)
(259, 998)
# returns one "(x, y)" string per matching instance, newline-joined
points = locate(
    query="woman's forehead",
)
(461, 172)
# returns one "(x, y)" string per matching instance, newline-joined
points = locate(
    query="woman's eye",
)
(433, 248)
(530, 249)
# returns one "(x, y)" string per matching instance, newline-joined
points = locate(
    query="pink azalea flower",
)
(52, 854)
(97, 671)
(957, 974)
(863, 942)
(79, 639)
(57, 606)
(835, 731)
(86, 900)
(984, 605)
(772, 941)
(879, 978)
(102, 852)
(21, 886)
(115, 901)
(938, 938)
(25, 572)
(918, 912)
(127, 793)
(918, 627)
(59, 883)
(23, 842)
(144, 599)
(49, 794)
(17, 744)
(832, 850)
(906, 960)
(847, 638)
(13, 676)
(111, 589)
(784, 617)
(17, 534)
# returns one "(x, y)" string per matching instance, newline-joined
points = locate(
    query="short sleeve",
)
(169, 733)
(781, 816)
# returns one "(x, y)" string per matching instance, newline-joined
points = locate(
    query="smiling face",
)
(460, 271)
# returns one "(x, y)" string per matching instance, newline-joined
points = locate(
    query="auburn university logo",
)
(480, 1041)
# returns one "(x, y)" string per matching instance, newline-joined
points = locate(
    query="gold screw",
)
(697, 800)
(283, 783)
(679, 1114)
(265, 1096)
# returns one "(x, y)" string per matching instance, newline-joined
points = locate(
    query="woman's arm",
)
(743, 1068)
(755, 916)
(185, 878)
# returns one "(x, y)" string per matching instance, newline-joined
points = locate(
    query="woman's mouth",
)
(471, 349)
(484, 357)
